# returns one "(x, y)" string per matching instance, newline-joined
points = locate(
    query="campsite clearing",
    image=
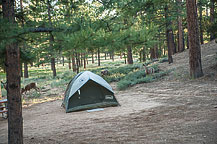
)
(173, 110)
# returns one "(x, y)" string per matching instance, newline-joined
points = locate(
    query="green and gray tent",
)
(86, 91)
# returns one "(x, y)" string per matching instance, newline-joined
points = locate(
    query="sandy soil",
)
(173, 110)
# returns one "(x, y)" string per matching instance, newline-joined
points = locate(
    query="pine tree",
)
(194, 42)
(15, 120)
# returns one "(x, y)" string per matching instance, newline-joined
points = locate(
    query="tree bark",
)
(69, 62)
(105, 55)
(53, 67)
(169, 36)
(200, 21)
(81, 59)
(92, 57)
(152, 53)
(98, 53)
(26, 72)
(15, 119)
(181, 46)
(73, 62)
(84, 60)
(129, 55)
(63, 60)
(212, 18)
(143, 54)
(51, 40)
(194, 42)
(77, 62)
(113, 58)
(173, 44)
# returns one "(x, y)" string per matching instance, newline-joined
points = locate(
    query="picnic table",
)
(4, 108)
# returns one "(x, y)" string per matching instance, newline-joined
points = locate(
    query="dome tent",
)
(86, 91)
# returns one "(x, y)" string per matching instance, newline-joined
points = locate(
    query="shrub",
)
(139, 77)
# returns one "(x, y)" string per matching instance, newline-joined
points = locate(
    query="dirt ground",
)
(173, 110)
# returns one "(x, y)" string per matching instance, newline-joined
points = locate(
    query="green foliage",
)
(126, 72)
(137, 78)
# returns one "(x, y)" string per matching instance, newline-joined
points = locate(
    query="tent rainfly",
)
(87, 91)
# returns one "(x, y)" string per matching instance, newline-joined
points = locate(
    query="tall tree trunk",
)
(92, 57)
(15, 119)
(77, 62)
(152, 53)
(26, 72)
(53, 67)
(81, 59)
(129, 55)
(51, 40)
(173, 44)
(200, 21)
(212, 18)
(73, 62)
(84, 57)
(69, 62)
(63, 60)
(187, 41)
(22, 21)
(194, 42)
(105, 55)
(98, 57)
(181, 46)
(156, 51)
(169, 36)
(113, 58)
(143, 54)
